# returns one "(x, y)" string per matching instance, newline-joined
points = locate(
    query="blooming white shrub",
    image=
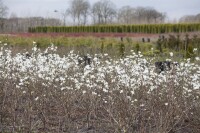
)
(130, 73)
(132, 79)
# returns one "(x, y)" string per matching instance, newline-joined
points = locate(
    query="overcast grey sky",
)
(173, 8)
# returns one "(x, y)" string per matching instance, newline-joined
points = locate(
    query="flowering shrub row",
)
(44, 92)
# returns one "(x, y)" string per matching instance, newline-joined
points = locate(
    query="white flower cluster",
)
(103, 77)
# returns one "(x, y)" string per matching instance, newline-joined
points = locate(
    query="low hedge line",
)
(145, 28)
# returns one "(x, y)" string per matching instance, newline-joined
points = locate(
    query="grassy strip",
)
(115, 47)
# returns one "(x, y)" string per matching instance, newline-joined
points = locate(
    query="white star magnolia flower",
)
(36, 98)
(171, 54)
(195, 49)
(84, 92)
(197, 58)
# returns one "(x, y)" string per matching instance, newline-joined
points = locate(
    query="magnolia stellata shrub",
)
(42, 90)
(103, 75)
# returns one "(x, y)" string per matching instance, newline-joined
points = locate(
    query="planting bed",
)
(44, 92)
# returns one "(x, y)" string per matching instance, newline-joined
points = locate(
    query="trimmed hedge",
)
(146, 28)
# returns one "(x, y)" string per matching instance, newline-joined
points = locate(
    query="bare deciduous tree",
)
(130, 15)
(190, 18)
(147, 15)
(3, 9)
(96, 13)
(152, 15)
(79, 10)
(103, 12)
(163, 17)
(126, 15)
(64, 15)
(3, 13)
(140, 11)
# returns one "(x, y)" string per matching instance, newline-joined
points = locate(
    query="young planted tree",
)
(159, 45)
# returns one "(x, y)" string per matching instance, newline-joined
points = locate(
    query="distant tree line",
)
(16, 24)
(105, 12)
(83, 13)
(190, 19)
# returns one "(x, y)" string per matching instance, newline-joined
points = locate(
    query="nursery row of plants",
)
(44, 92)
(144, 28)
(182, 46)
